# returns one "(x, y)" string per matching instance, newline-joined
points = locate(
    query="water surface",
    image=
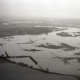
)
(53, 51)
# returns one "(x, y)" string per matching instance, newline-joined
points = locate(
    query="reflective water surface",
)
(57, 51)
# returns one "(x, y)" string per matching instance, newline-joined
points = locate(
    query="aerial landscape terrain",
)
(49, 46)
(39, 39)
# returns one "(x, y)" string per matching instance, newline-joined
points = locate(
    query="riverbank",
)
(12, 71)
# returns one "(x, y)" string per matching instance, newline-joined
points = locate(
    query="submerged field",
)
(47, 48)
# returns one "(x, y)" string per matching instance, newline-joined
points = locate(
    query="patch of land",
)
(77, 53)
(66, 34)
(10, 71)
(16, 28)
(32, 50)
(10, 31)
(63, 46)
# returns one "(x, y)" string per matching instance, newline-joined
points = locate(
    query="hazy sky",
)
(40, 8)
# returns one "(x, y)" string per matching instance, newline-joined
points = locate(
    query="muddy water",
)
(53, 52)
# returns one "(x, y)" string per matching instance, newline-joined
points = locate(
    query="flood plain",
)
(56, 51)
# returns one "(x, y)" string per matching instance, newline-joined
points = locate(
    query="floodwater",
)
(53, 51)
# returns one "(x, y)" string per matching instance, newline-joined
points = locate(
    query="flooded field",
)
(57, 51)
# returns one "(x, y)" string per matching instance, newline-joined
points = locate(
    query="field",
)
(50, 46)
(16, 26)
